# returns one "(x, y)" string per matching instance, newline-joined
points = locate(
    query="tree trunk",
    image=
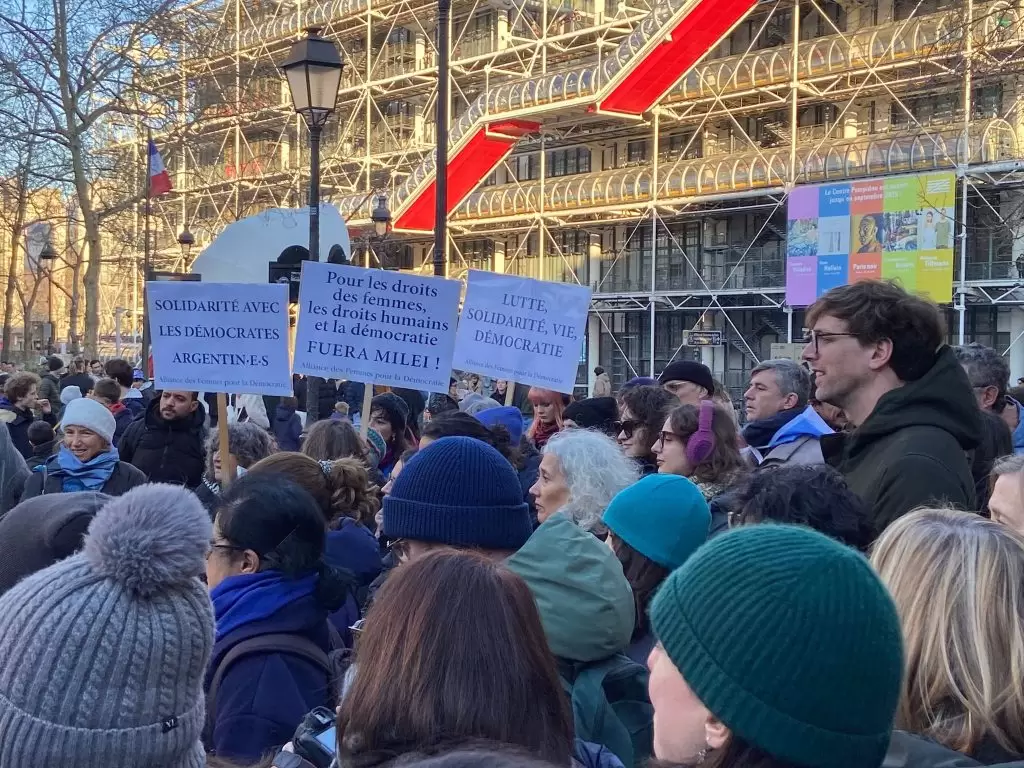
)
(12, 276)
(76, 299)
(92, 279)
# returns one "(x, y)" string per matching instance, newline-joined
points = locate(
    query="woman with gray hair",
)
(248, 444)
(580, 473)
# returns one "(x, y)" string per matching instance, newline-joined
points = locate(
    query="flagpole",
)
(144, 363)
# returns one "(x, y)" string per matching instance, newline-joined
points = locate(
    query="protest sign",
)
(376, 327)
(520, 329)
(220, 337)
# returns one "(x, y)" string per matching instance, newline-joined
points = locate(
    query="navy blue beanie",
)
(461, 492)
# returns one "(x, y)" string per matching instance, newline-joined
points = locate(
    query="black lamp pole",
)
(313, 70)
(444, 12)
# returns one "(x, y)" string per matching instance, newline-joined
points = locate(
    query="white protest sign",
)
(374, 326)
(220, 337)
(520, 329)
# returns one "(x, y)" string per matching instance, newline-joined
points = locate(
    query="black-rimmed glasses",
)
(813, 337)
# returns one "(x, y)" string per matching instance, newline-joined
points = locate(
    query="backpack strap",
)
(294, 645)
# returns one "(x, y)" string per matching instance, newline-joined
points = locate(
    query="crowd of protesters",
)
(503, 575)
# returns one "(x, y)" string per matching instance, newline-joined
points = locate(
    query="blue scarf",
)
(251, 597)
(78, 475)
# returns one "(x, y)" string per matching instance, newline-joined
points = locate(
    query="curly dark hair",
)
(649, 405)
(813, 495)
(874, 310)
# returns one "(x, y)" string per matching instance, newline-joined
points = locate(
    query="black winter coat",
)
(122, 479)
(912, 449)
(18, 421)
(166, 451)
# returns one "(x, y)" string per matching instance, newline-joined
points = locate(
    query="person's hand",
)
(43, 405)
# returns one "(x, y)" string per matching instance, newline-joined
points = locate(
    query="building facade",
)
(645, 148)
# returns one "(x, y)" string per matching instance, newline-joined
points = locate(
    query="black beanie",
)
(691, 371)
(396, 409)
(593, 413)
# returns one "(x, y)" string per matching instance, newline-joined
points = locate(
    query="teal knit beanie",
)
(663, 517)
(790, 639)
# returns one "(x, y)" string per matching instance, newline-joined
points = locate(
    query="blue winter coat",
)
(287, 428)
(355, 549)
(263, 697)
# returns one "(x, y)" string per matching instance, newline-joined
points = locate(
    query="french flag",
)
(159, 178)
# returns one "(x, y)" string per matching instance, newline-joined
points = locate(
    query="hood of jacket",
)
(1018, 433)
(193, 422)
(942, 398)
(354, 548)
(807, 424)
(585, 602)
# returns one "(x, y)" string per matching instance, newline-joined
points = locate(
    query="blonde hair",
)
(958, 583)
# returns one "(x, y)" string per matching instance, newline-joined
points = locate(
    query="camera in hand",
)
(316, 739)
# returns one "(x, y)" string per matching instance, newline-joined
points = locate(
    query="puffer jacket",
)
(167, 451)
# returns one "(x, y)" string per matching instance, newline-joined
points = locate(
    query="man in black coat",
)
(167, 443)
(877, 352)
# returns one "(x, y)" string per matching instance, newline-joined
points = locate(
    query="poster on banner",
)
(521, 329)
(898, 228)
(377, 327)
(220, 337)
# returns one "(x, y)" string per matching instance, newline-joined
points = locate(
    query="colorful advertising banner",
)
(898, 228)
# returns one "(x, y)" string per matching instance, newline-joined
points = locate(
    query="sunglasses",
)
(627, 427)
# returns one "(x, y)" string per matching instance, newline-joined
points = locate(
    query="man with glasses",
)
(877, 353)
(989, 375)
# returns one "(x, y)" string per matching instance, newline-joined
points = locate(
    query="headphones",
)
(702, 442)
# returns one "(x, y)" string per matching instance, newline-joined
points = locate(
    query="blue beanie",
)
(508, 416)
(663, 517)
(458, 491)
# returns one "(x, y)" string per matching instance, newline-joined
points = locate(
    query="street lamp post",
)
(313, 70)
(49, 255)
(381, 218)
(444, 11)
(186, 240)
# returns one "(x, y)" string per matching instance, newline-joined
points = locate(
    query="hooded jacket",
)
(287, 428)
(797, 441)
(912, 449)
(166, 451)
(586, 605)
(263, 697)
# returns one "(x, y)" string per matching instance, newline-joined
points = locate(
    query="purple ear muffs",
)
(702, 442)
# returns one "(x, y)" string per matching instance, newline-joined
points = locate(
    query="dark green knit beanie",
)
(790, 639)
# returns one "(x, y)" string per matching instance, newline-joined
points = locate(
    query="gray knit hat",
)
(103, 655)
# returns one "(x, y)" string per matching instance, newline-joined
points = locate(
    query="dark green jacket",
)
(585, 602)
(912, 449)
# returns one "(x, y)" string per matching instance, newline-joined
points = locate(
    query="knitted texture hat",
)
(790, 639)
(593, 413)
(44, 530)
(377, 444)
(688, 370)
(663, 517)
(90, 414)
(69, 393)
(104, 653)
(458, 491)
(508, 416)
